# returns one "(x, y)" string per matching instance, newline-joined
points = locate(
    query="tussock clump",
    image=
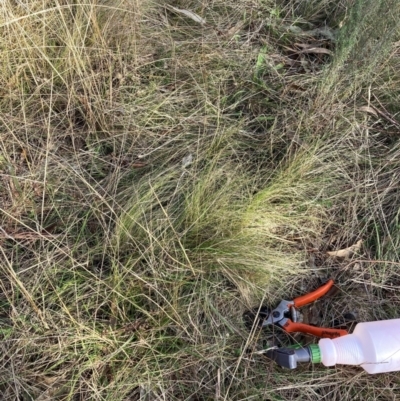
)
(163, 171)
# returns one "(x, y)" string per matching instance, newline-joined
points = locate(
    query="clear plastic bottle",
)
(375, 346)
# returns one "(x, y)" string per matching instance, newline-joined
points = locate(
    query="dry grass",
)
(160, 176)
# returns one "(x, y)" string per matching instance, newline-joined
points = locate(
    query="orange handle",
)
(322, 332)
(312, 296)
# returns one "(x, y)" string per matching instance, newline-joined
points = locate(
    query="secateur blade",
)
(256, 317)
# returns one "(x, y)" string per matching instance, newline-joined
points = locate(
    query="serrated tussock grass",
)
(160, 176)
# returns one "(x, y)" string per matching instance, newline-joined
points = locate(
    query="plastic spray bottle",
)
(375, 346)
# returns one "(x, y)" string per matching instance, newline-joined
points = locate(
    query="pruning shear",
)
(285, 315)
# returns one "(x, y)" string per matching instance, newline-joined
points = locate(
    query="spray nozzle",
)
(288, 357)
